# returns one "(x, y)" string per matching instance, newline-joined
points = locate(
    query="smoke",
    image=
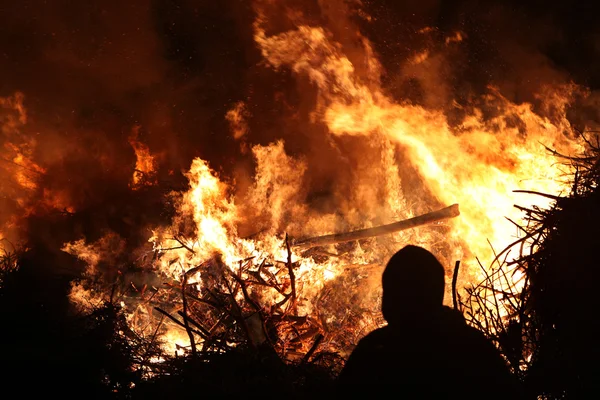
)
(92, 73)
(445, 55)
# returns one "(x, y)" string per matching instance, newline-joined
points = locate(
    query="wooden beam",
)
(434, 216)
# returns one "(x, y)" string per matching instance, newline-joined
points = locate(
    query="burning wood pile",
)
(257, 302)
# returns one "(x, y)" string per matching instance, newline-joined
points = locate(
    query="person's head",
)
(413, 284)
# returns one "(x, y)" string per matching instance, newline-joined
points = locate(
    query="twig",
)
(184, 245)
(151, 343)
(313, 348)
(549, 196)
(454, 280)
(185, 316)
(247, 297)
(237, 314)
(160, 310)
(291, 272)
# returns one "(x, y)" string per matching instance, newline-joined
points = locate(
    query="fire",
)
(237, 117)
(19, 148)
(101, 259)
(214, 215)
(478, 165)
(477, 168)
(399, 160)
(18, 170)
(145, 164)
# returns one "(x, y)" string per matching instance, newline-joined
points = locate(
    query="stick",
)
(205, 333)
(313, 348)
(444, 213)
(184, 314)
(454, 280)
(172, 318)
(291, 272)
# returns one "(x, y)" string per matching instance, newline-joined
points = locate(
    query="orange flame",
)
(18, 171)
(145, 164)
(478, 166)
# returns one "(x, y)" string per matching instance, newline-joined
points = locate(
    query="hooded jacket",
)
(435, 356)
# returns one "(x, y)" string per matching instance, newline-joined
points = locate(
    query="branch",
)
(291, 272)
(434, 216)
(454, 280)
(188, 329)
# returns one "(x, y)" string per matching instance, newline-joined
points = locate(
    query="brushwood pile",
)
(550, 341)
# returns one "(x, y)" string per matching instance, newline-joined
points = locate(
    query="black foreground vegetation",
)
(549, 339)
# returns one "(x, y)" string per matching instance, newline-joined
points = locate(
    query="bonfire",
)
(278, 240)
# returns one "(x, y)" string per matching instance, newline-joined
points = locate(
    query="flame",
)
(237, 117)
(18, 170)
(19, 148)
(101, 259)
(206, 226)
(478, 164)
(145, 164)
(213, 213)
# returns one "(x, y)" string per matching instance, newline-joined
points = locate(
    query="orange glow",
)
(478, 164)
(18, 170)
(237, 119)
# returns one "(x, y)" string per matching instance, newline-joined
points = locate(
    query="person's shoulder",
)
(378, 332)
(468, 335)
(454, 320)
(452, 316)
(376, 336)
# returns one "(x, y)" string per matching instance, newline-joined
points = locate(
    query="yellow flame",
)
(478, 165)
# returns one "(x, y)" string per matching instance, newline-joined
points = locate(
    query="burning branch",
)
(291, 272)
(434, 216)
(184, 314)
(172, 318)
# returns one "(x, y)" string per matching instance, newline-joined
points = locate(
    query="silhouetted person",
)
(427, 350)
